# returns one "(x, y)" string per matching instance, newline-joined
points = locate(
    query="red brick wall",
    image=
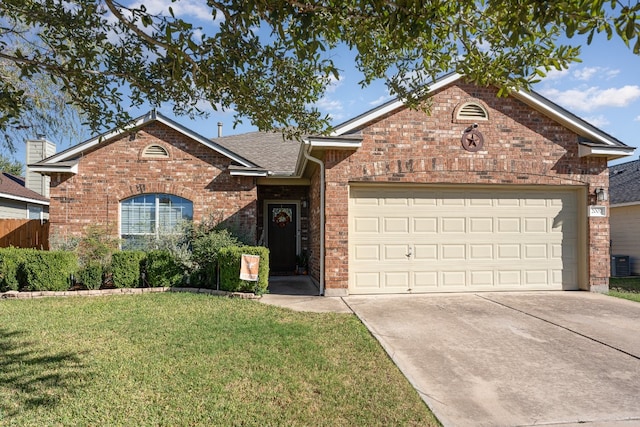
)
(521, 147)
(116, 172)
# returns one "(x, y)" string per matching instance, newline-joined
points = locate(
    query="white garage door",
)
(418, 239)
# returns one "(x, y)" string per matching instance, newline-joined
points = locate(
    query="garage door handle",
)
(409, 252)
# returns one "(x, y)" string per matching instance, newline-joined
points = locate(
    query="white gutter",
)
(322, 191)
(23, 199)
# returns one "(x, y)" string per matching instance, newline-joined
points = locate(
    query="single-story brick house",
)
(624, 190)
(482, 193)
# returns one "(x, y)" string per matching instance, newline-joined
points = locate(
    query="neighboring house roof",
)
(624, 183)
(67, 160)
(594, 142)
(12, 187)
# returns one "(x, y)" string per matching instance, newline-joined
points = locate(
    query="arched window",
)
(151, 215)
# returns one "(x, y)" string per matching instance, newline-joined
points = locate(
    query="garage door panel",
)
(454, 225)
(535, 225)
(481, 225)
(396, 225)
(367, 252)
(425, 240)
(453, 279)
(425, 279)
(395, 252)
(536, 278)
(480, 252)
(535, 251)
(481, 278)
(508, 251)
(427, 252)
(425, 225)
(397, 280)
(453, 252)
(508, 225)
(366, 225)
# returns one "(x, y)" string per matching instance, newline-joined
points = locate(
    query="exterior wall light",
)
(601, 195)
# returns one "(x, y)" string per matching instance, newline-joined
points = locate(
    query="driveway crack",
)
(573, 331)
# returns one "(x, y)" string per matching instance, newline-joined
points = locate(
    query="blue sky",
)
(603, 89)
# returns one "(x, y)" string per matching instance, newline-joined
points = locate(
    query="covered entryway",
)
(455, 239)
(282, 226)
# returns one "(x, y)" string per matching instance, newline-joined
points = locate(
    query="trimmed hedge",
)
(163, 269)
(126, 268)
(11, 259)
(229, 261)
(47, 270)
(91, 275)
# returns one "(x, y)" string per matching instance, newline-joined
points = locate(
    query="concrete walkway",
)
(301, 294)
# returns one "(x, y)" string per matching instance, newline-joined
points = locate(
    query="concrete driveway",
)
(514, 359)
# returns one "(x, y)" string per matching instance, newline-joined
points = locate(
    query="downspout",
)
(322, 191)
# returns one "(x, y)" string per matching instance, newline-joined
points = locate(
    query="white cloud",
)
(592, 98)
(637, 119)
(598, 121)
(181, 9)
(380, 100)
(586, 73)
(332, 107)
(554, 74)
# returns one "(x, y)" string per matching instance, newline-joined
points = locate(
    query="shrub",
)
(162, 269)
(11, 259)
(205, 248)
(229, 259)
(91, 275)
(126, 268)
(47, 270)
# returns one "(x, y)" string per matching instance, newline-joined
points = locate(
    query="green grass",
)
(185, 359)
(625, 287)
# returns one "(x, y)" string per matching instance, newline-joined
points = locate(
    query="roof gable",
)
(66, 161)
(594, 141)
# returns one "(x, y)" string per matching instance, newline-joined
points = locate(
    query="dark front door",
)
(282, 237)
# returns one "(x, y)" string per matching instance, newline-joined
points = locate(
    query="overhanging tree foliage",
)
(271, 60)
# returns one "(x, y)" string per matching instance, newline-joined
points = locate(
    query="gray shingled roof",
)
(266, 149)
(13, 186)
(624, 182)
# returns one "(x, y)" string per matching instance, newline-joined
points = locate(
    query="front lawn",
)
(625, 287)
(188, 359)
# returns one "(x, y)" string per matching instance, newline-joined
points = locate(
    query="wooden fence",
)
(24, 233)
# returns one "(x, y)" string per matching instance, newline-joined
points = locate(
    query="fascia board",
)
(54, 168)
(611, 153)
(23, 199)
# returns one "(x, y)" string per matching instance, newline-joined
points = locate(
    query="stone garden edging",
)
(123, 291)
